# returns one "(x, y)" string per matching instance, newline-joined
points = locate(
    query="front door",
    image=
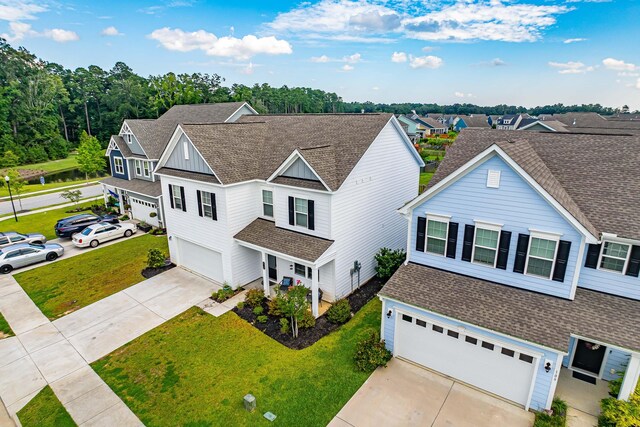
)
(588, 356)
(273, 270)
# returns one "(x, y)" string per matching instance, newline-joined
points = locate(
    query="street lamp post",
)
(7, 179)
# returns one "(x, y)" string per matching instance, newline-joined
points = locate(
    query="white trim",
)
(614, 238)
(542, 236)
(549, 235)
(535, 123)
(124, 123)
(295, 212)
(282, 255)
(626, 260)
(240, 108)
(490, 227)
(441, 219)
(554, 381)
(630, 380)
(115, 165)
(572, 355)
(617, 347)
(576, 271)
(405, 138)
(409, 240)
(177, 236)
(295, 155)
(494, 226)
(262, 203)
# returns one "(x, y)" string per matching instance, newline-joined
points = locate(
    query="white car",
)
(102, 232)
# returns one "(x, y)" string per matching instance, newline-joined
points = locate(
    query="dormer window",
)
(614, 256)
(127, 135)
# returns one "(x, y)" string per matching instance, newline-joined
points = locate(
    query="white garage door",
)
(200, 260)
(140, 209)
(486, 364)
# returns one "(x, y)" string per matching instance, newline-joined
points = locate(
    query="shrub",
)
(284, 326)
(155, 258)
(240, 305)
(127, 207)
(124, 217)
(258, 310)
(276, 306)
(262, 319)
(254, 297)
(339, 312)
(620, 413)
(371, 353)
(307, 321)
(223, 294)
(388, 262)
(556, 417)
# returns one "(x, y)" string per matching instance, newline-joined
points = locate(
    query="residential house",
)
(134, 153)
(412, 128)
(510, 121)
(522, 263)
(471, 121)
(432, 126)
(308, 197)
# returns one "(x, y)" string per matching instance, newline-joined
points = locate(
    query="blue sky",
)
(524, 52)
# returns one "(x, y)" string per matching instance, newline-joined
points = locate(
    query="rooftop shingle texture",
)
(122, 146)
(265, 234)
(479, 121)
(189, 175)
(538, 318)
(140, 186)
(594, 121)
(432, 122)
(297, 182)
(567, 166)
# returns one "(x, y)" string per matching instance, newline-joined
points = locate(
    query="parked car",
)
(11, 238)
(102, 232)
(67, 227)
(24, 254)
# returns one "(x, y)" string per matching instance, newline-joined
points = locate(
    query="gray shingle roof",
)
(591, 176)
(265, 234)
(124, 147)
(432, 123)
(140, 186)
(476, 121)
(297, 182)
(538, 318)
(189, 175)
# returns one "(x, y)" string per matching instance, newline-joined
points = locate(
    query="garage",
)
(200, 260)
(474, 359)
(141, 209)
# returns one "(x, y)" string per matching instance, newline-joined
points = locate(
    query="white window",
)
(176, 192)
(147, 169)
(300, 269)
(128, 137)
(437, 229)
(485, 244)
(267, 203)
(614, 256)
(207, 206)
(301, 207)
(185, 148)
(119, 165)
(541, 256)
(138, 168)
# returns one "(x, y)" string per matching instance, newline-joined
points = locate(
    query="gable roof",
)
(476, 121)
(432, 123)
(567, 167)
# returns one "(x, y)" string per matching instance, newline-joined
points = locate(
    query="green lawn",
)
(42, 222)
(49, 186)
(5, 329)
(54, 165)
(45, 410)
(73, 283)
(425, 177)
(195, 369)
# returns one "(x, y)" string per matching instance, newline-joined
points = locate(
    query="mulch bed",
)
(307, 337)
(148, 272)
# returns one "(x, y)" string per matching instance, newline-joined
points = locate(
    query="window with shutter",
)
(420, 233)
(175, 192)
(614, 256)
(467, 245)
(436, 236)
(541, 254)
(485, 244)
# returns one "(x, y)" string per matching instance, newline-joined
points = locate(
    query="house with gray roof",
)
(277, 199)
(134, 153)
(522, 273)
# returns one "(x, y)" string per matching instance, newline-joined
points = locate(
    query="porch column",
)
(630, 378)
(265, 274)
(314, 291)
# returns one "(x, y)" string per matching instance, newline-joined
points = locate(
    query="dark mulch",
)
(307, 337)
(148, 272)
(76, 210)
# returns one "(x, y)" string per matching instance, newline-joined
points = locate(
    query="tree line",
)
(44, 107)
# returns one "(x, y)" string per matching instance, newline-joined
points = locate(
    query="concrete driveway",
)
(403, 394)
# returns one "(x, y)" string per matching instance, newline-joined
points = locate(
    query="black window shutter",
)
(291, 211)
(171, 195)
(310, 211)
(633, 269)
(593, 253)
(467, 246)
(560, 269)
(214, 209)
(184, 205)
(521, 253)
(422, 228)
(199, 202)
(452, 240)
(503, 250)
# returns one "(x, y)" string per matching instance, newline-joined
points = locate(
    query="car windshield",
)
(37, 246)
(86, 231)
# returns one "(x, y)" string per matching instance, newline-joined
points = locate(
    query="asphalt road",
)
(35, 202)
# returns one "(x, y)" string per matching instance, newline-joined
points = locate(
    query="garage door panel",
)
(468, 358)
(200, 260)
(141, 210)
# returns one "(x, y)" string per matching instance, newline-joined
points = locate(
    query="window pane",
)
(301, 219)
(437, 229)
(435, 246)
(267, 196)
(614, 264)
(300, 269)
(542, 248)
(615, 249)
(267, 210)
(205, 197)
(539, 267)
(488, 238)
(484, 256)
(301, 205)
(206, 211)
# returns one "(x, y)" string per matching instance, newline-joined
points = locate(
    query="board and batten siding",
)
(517, 206)
(608, 281)
(241, 112)
(125, 166)
(134, 146)
(322, 209)
(299, 169)
(195, 163)
(364, 209)
(544, 380)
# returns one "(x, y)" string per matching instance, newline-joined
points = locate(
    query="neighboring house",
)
(134, 153)
(480, 121)
(431, 126)
(509, 121)
(521, 261)
(534, 124)
(411, 127)
(312, 197)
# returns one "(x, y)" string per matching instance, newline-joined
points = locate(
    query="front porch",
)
(581, 395)
(274, 288)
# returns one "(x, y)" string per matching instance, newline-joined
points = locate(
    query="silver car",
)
(11, 238)
(24, 254)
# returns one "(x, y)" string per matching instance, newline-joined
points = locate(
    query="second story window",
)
(614, 256)
(436, 235)
(485, 245)
(119, 165)
(541, 256)
(302, 212)
(146, 169)
(267, 203)
(176, 197)
(138, 167)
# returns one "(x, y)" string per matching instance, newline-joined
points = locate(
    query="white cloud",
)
(576, 40)
(248, 69)
(321, 58)
(495, 62)
(618, 65)
(571, 67)
(60, 35)
(375, 88)
(165, 5)
(428, 61)
(347, 67)
(244, 48)
(111, 31)
(19, 10)
(458, 94)
(352, 59)
(398, 57)
(349, 59)
(429, 49)
(21, 30)
(638, 84)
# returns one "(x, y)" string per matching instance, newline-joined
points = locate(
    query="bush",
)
(307, 321)
(254, 297)
(155, 258)
(276, 306)
(371, 353)
(240, 305)
(258, 310)
(339, 312)
(263, 319)
(557, 417)
(388, 262)
(620, 413)
(124, 218)
(223, 294)
(284, 326)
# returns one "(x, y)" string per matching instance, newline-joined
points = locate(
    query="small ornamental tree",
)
(90, 155)
(72, 195)
(388, 261)
(294, 306)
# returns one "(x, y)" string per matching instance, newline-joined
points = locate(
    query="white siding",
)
(364, 208)
(322, 210)
(242, 209)
(241, 112)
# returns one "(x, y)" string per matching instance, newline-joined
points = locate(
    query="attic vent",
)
(493, 179)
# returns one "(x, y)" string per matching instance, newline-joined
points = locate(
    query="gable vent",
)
(493, 179)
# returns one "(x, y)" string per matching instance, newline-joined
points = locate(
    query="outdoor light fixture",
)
(389, 313)
(547, 366)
